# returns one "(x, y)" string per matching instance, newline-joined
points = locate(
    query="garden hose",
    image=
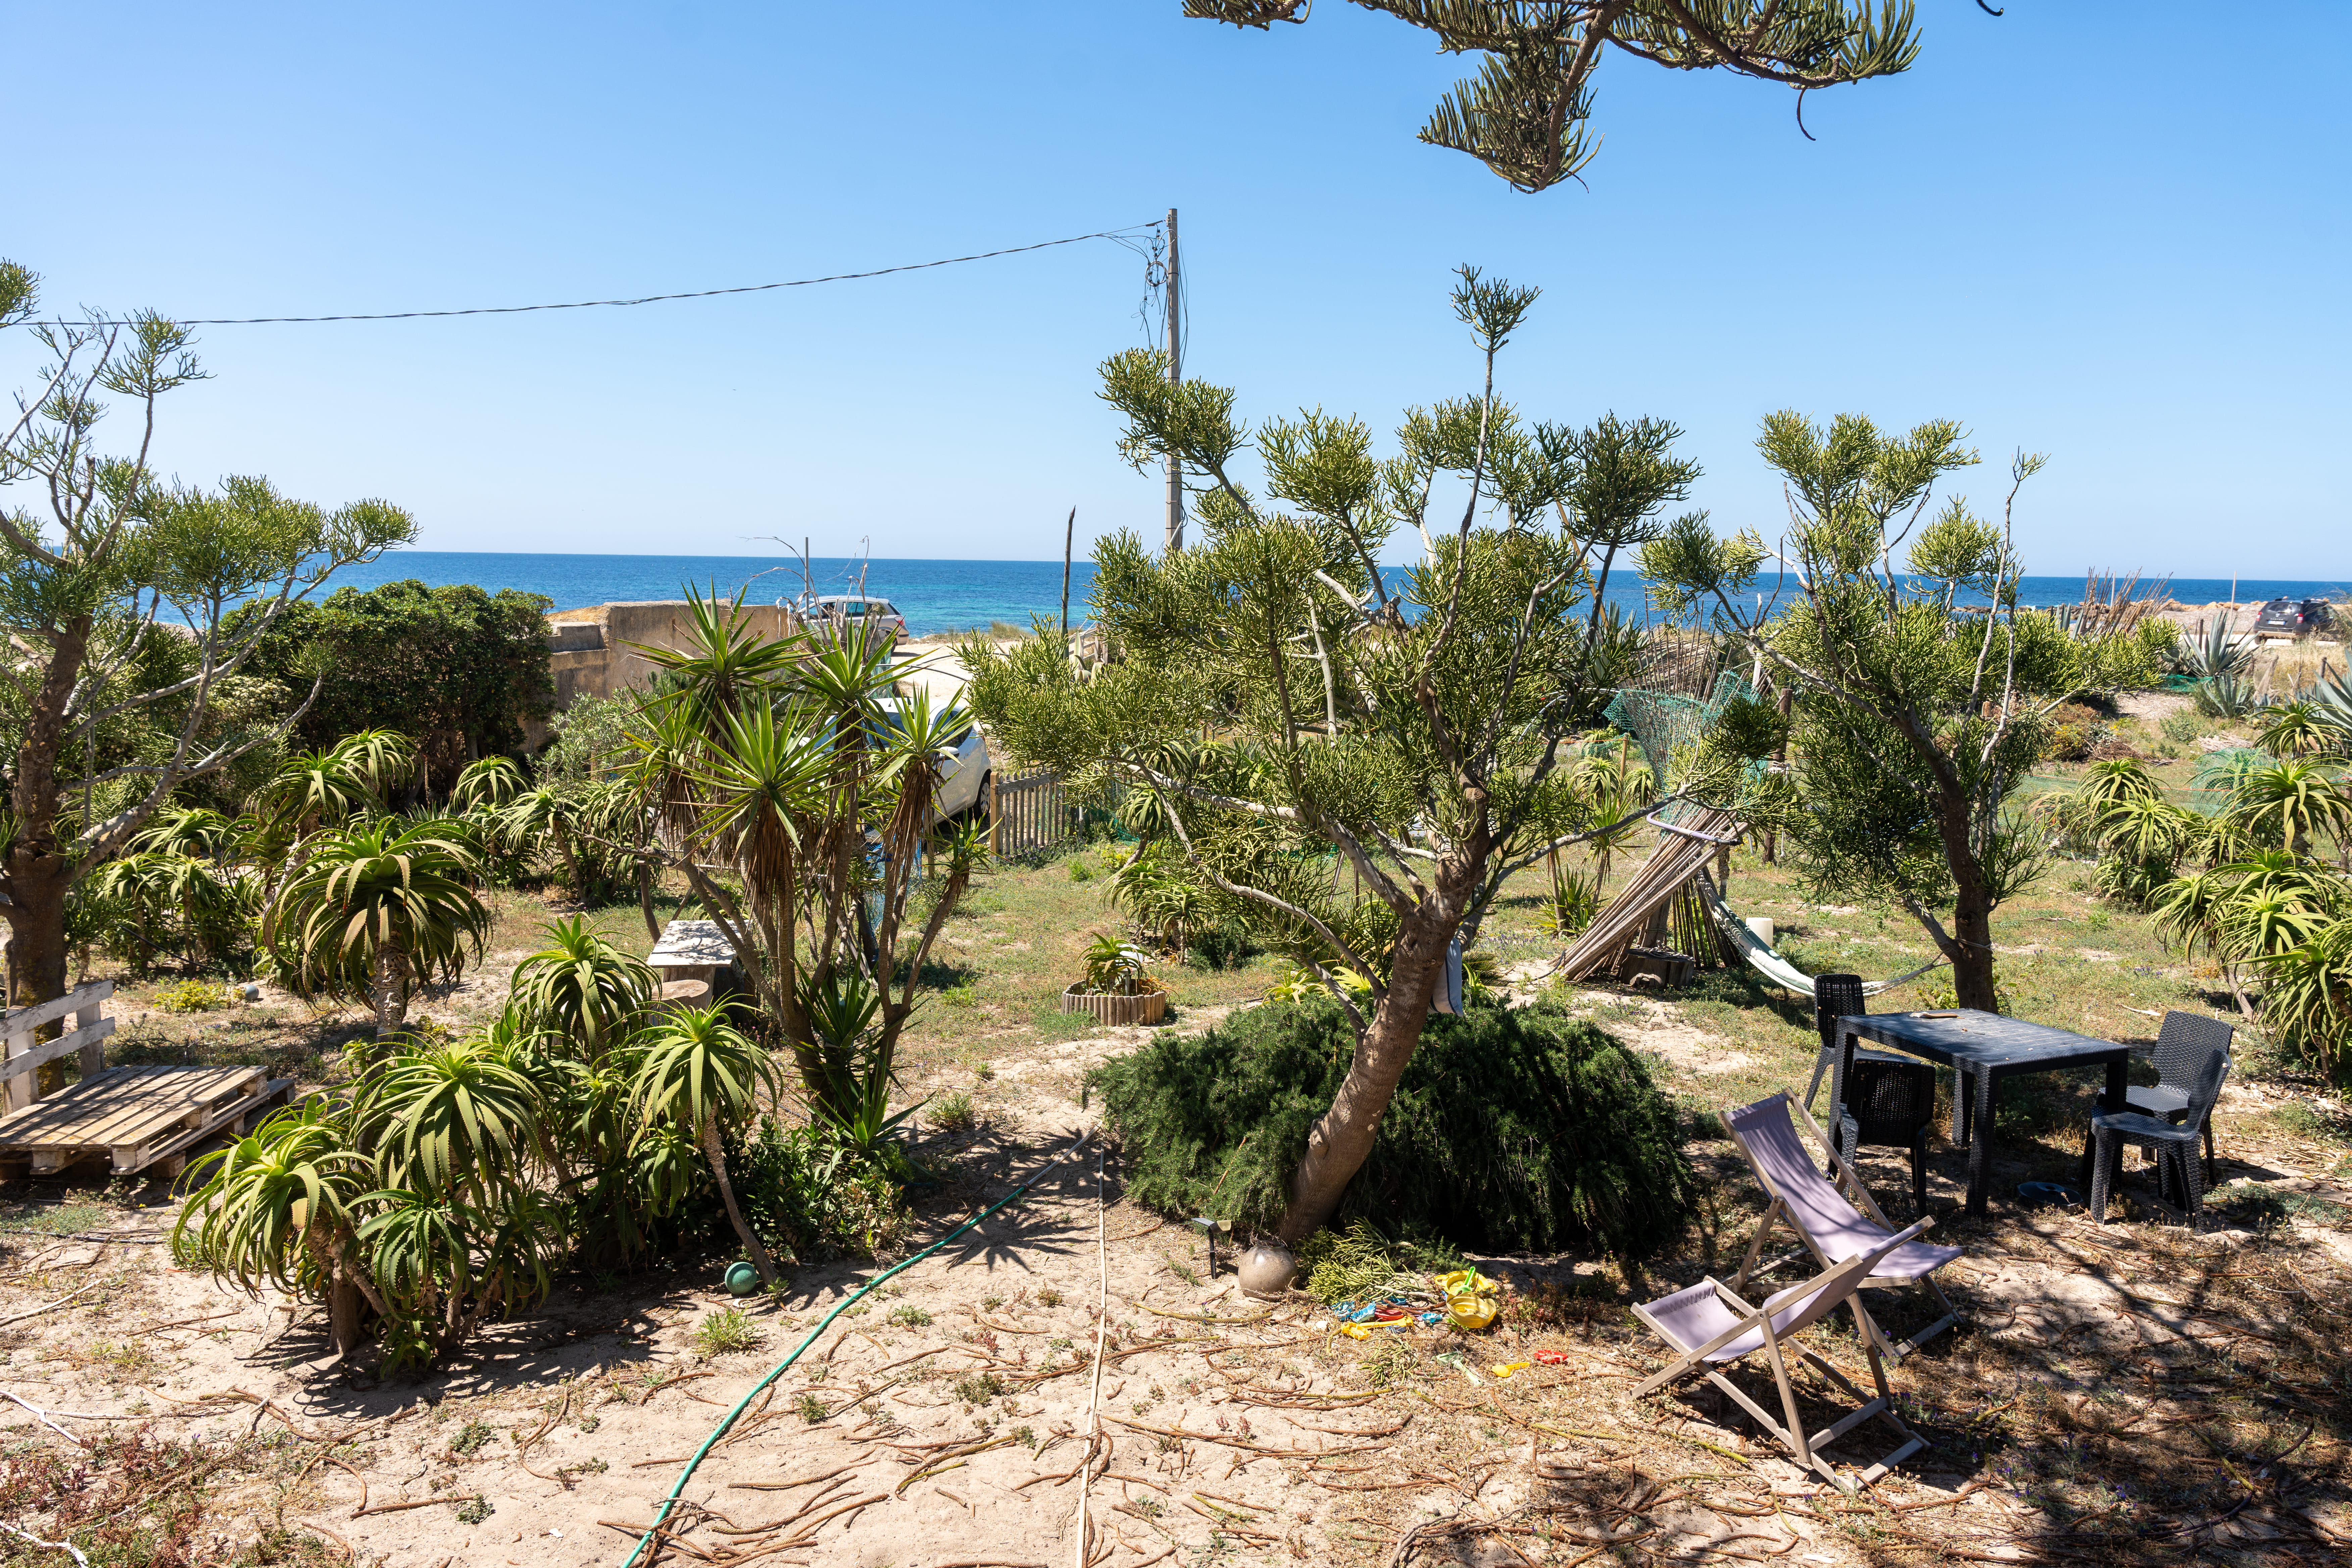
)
(728, 1420)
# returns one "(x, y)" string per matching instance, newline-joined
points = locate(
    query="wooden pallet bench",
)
(134, 1118)
(131, 1116)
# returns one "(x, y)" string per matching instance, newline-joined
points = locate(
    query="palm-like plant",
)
(2295, 729)
(372, 908)
(455, 1118)
(2307, 992)
(2290, 802)
(582, 987)
(277, 1206)
(1114, 967)
(487, 783)
(381, 759)
(701, 1076)
(317, 789)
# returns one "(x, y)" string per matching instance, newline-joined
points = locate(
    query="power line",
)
(1110, 234)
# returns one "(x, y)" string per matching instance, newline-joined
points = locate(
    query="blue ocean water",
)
(940, 596)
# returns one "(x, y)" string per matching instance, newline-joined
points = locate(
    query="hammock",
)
(1770, 965)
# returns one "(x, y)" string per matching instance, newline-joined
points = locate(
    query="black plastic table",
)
(1982, 1048)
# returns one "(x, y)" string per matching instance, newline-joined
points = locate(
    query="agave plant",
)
(2214, 652)
(582, 987)
(702, 1077)
(370, 908)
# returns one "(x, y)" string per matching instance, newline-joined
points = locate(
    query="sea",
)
(937, 596)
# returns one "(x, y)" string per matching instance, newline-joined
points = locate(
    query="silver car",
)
(963, 777)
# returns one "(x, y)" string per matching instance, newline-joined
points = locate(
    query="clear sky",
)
(2115, 233)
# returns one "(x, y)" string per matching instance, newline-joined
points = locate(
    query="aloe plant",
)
(582, 986)
(372, 908)
(700, 1075)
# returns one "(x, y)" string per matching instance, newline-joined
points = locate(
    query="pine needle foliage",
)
(1520, 1129)
(1523, 114)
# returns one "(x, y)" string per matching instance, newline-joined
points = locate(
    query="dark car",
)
(2292, 618)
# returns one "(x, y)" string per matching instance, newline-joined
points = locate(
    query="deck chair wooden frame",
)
(1837, 1286)
(1778, 1212)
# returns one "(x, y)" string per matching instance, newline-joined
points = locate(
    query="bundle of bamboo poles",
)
(1642, 909)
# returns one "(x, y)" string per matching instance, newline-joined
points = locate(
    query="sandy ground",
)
(944, 1419)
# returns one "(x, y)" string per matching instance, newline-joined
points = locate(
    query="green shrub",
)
(952, 1112)
(724, 1333)
(2182, 728)
(1520, 1129)
(192, 997)
(799, 1191)
(1342, 1266)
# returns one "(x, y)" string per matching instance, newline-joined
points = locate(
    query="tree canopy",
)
(1920, 694)
(1523, 114)
(1355, 769)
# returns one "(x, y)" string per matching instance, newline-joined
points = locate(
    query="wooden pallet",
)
(135, 1117)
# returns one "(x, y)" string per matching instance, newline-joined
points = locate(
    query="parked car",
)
(841, 608)
(2294, 618)
(963, 778)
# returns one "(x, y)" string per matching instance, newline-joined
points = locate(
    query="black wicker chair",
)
(2178, 1172)
(2183, 1042)
(1890, 1100)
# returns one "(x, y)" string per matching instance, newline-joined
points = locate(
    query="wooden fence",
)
(26, 1052)
(1028, 812)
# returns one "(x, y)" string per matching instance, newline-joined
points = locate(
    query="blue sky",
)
(2115, 234)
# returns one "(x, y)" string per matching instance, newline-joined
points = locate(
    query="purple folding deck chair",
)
(1709, 1325)
(1831, 1227)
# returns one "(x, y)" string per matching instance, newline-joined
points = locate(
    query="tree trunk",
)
(713, 1151)
(1973, 974)
(346, 1312)
(38, 955)
(1342, 1137)
(1970, 946)
(39, 874)
(390, 984)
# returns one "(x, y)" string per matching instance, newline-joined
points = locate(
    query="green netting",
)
(1664, 723)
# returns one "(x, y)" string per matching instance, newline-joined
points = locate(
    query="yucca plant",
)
(582, 987)
(372, 908)
(702, 1077)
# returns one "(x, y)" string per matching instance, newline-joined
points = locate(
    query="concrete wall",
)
(593, 652)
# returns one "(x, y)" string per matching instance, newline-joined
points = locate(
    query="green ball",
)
(742, 1278)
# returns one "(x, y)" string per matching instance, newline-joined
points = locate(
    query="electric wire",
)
(1120, 235)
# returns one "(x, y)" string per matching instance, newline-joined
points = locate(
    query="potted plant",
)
(1118, 988)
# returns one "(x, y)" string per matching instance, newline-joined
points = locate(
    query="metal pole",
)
(1069, 536)
(1175, 374)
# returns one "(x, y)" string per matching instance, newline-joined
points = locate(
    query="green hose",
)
(729, 1419)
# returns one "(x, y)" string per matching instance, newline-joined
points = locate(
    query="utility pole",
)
(1069, 537)
(1175, 374)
